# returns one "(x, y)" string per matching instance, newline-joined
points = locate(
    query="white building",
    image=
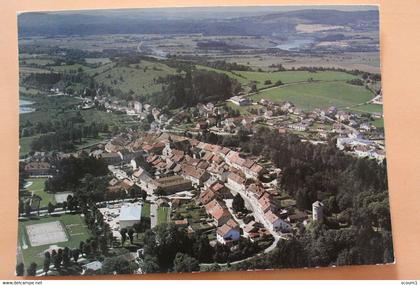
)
(93, 266)
(240, 101)
(129, 215)
(137, 107)
(276, 223)
(317, 211)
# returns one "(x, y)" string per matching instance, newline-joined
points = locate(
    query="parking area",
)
(111, 215)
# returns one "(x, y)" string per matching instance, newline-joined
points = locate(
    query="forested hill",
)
(152, 22)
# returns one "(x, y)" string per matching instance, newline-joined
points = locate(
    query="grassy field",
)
(26, 70)
(37, 187)
(140, 80)
(368, 108)
(55, 108)
(25, 144)
(246, 77)
(111, 119)
(163, 215)
(145, 210)
(379, 123)
(317, 95)
(69, 68)
(75, 228)
(38, 61)
(87, 142)
(98, 60)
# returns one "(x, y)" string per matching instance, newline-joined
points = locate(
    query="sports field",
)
(38, 235)
(308, 96)
(45, 233)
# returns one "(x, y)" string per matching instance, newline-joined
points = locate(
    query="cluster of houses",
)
(178, 163)
(361, 147)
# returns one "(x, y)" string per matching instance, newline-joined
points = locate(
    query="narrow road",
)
(259, 215)
(153, 215)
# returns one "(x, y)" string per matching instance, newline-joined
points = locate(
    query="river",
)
(295, 44)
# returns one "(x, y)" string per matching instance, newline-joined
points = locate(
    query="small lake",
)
(25, 106)
(294, 44)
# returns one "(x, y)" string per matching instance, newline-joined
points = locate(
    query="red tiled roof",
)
(235, 177)
(207, 196)
(271, 217)
(216, 209)
(223, 230)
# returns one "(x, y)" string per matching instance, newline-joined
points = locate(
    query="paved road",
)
(153, 214)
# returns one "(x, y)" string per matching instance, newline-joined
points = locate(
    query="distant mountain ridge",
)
(84, 23)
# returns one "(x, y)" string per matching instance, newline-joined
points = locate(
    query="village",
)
(354, 133)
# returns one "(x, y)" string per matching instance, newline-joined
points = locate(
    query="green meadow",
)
(312, 95)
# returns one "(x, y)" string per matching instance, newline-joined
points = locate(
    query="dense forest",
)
(71, 171)
(197, 86)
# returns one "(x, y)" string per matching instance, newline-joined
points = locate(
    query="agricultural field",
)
(366, 61)
(379, 123)
(368, 108)
(100, 60)
(37, 186)
(69, 68)
(246, 77)
(73, 227)
(26, 70)
(36, 61)
(317, 95)
(137, 78)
